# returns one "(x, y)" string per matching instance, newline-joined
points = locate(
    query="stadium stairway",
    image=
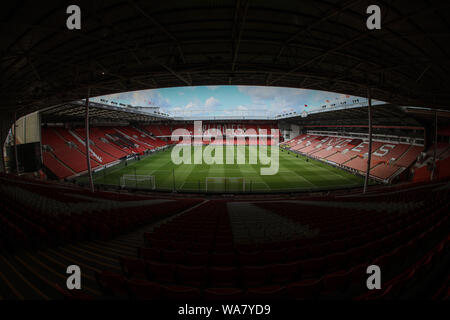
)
(193, 253)
(388, 159)
(131, 135)
(40, 273)
(196, 257)
(34, 275)
(101, 141)
(253, 224)
(59, 168)
(101, 156)
(70, 155)
(69, 137)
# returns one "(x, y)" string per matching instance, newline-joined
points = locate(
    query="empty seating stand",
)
(98, 135)
(387, 158)
(409, 157)
(41, 219)
(65, 155)
(56, 166)
(195, 256)
(102, 156)
(191, 252)
(70, 155)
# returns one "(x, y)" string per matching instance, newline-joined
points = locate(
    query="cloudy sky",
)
(228, 100)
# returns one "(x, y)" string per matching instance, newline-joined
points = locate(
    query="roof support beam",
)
(354, 39)
(161, 27)
(88, 148)
(171, 36)
(311, 26)
(238, 27)
(369, 157)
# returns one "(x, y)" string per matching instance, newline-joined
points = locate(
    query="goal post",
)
(138, 181)
(223, 184)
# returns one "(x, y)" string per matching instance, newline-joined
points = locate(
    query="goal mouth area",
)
(137, 181)
(225, 184)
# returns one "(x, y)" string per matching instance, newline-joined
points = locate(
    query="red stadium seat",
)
(161, 272)
(255, 276)
(335, 284)
(306, 289)
(407, 237)
(191, 276)
(249, 258)
(223, 259)
(224, 276)
(181, 293)
(285, 272)
(144, 290)
(133, 268)
(357, 279)
(112, 284)
(336, 261)
(152, 254)
(273, 256)
(267, 293)
(173, 256)
(249, 247)
(223, 294)
(73, 295)
(201, 247)
(197, 258)
(312, 267)
(223, 247)
(297, 253)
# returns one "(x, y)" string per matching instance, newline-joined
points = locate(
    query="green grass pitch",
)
(295, 174)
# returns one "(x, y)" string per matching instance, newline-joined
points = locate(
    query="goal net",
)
(138, 181)
(224, 184)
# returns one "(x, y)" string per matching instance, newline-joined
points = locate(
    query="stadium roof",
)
(97, 111)
(126, 45)
(382, 115)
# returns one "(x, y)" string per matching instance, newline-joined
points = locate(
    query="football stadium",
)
(225, 151)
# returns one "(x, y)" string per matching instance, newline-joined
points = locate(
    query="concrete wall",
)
(6, 122)
(295, 131)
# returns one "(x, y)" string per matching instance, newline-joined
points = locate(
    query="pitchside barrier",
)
(225, 184)
(99, 174)
(138, 181)
(169, 180)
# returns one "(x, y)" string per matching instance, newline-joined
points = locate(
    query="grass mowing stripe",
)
(257, 178)
(327, 169)
(294, 173)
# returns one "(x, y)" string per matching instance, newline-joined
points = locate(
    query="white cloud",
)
(143, 98)
(190, 105)
(255, 99)
(275, 99)
(258, 93)
(211, 102)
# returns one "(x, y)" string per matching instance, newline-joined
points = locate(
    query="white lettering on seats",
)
(384, 150)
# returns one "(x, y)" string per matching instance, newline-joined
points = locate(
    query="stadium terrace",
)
(207, 156)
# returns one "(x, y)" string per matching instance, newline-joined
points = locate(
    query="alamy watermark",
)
(74, 279)
(262, 147)
(73, 22)
(373, 22)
